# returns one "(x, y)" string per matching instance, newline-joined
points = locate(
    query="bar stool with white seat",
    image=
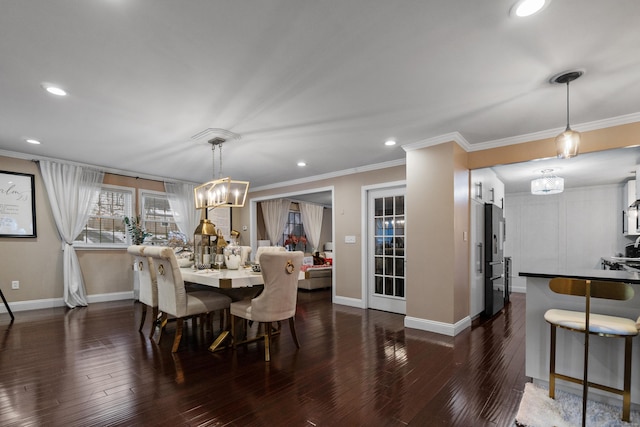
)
(588, 323)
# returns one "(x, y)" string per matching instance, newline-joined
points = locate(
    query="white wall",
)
(567, 231)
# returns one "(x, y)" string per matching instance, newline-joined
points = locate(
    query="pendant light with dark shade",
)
(568, 142)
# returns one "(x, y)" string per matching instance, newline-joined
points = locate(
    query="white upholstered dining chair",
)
(172, 296)
(148, 296)
(264, 249)
(277, 301)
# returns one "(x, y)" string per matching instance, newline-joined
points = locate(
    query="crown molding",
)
(437, 140)
(429, 142)
(351, 171)
(552, 133)
(34, 158)
(519, 139)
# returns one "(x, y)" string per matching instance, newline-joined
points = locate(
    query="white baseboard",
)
(38, 304)
(351, 302)
(414, 322)
(35, 304)
(442, 328)
(112, 296)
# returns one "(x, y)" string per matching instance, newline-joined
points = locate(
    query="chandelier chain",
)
(213, 160)
(220, 166)
(568, 106)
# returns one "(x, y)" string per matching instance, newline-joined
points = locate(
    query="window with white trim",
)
(294, 237)
(157, 217)
(105, 226)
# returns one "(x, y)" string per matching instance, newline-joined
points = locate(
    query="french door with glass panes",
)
(385, 250)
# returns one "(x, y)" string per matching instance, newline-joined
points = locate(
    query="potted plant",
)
(135, 230)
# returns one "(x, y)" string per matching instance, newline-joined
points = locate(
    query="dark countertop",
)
(604, 275)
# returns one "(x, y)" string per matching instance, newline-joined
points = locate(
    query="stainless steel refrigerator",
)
(496, 283)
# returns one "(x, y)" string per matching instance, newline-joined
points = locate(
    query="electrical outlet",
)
(15, 284)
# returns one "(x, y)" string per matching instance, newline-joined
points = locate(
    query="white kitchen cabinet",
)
(486, 187)
(570, 231)
(635, 196)
(498, 192)
(630, 223)
(477, 184)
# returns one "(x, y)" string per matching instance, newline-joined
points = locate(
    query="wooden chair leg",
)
(234, 337)
(154, 312)
(223, 315)
(143, 316)
(163, 324)
(202, 320)
(210, 322)
(292, 328)
(178, 337)
(267, 341)
(552, 363)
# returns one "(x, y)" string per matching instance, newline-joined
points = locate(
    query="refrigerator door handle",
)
(480, 262)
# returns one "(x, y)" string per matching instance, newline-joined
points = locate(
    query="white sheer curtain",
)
(180, 197)
(72, 191)
(275, 214)
(312, 220)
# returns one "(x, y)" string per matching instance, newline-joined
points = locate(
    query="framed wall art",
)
(17, 205)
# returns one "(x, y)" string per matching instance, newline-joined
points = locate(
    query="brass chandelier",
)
(220, 191)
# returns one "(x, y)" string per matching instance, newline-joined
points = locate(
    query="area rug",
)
(537, 409)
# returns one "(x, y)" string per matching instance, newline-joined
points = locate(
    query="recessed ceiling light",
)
(301, 164)
(389, 142)
(33, 141)
(523, 8)
(54, 90)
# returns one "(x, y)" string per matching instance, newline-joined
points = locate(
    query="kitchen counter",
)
(620, 263)
(604, 275)
(606, 354)
(621, 259)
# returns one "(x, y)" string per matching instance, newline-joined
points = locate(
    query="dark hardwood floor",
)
(90, 367)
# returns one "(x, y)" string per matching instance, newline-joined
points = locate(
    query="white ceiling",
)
(601, 168)
(322, 81)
